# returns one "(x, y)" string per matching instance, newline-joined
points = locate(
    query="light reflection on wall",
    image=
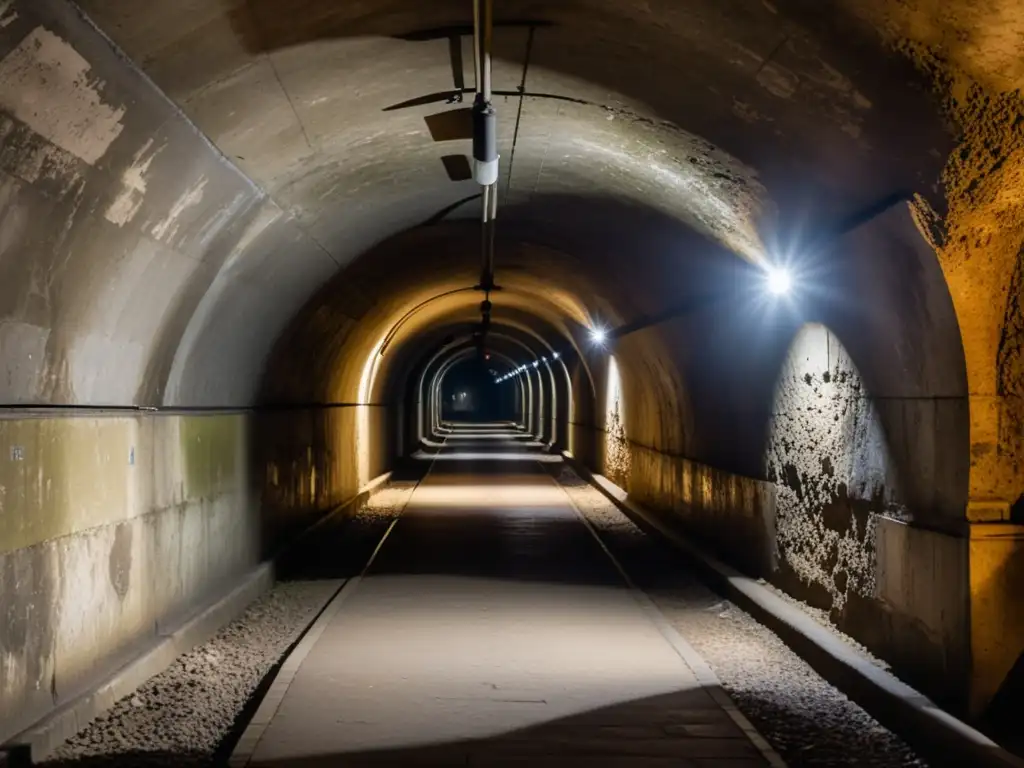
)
(617, 454)
(827, 455)
(363, 429)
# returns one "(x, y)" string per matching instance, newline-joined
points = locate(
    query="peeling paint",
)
(191, 197)
(45, 84)
(29, 157)
(133, 190)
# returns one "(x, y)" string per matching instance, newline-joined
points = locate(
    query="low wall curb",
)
(935, 734)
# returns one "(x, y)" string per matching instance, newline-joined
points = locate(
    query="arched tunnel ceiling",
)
(641, 141)
(712, 112)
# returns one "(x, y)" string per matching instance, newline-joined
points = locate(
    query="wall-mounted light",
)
(779, 281)
(598, 335)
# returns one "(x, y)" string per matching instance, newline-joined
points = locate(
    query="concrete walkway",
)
(493, 630)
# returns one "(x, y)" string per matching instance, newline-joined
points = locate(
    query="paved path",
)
(492, 630)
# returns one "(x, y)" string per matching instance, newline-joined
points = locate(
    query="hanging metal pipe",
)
(476, 45)
(485, 142)
(487, 31)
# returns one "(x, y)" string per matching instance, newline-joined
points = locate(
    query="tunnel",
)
(744, 276)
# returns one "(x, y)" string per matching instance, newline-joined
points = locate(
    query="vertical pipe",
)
(485, 155)
(476, 46)
(485, 39)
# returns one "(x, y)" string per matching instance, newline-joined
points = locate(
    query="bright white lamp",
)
(779, 281)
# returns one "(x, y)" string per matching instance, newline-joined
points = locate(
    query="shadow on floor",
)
(678, 729)
(660, 730)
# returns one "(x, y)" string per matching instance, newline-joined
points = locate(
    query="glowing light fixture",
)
(554, 355)
(780, 282)
(598, 335)
(536, 363)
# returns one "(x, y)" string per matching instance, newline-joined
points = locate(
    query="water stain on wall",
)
(28, 582)
(119, 564)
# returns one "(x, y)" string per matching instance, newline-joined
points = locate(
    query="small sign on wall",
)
(17, 453)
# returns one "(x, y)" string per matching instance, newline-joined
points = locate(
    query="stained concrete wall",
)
(111, 528)
(311, 460)
(138, 266)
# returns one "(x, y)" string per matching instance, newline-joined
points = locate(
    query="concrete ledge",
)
(936, 735)
(47, 735)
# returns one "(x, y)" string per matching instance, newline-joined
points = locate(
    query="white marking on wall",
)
(133, 187)
(192, 196)
(224, 215)
(45, 84)
(266, 216)
(7, 16)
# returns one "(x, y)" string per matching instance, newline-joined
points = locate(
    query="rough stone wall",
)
(828, 457)
(110, 527)
(1010, 384)
(971, 51)
(846, 542)
(617, 451)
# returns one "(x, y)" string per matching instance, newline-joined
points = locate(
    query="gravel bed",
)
(190, 714)
(821, 617)
(807, 720)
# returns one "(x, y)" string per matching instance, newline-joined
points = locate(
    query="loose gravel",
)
(189, 715)
(807, 720)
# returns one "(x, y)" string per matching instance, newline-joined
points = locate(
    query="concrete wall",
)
(138, 266)
(996, 556)
(111, 528)
(310, 460)
(137, 263)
